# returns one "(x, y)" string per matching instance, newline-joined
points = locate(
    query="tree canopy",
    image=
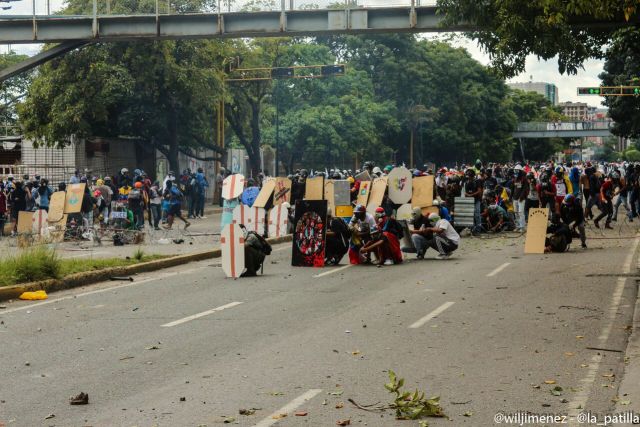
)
(13, 90)
(510, 30)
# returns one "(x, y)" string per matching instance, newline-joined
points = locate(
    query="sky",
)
(536, 70)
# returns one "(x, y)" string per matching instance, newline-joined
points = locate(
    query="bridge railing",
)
(563, 126)
(165, 7)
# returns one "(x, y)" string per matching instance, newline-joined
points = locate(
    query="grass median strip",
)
(43, 263)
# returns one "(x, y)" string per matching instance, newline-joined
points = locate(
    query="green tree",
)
(12, 90)
(622, 67)
(510, 30)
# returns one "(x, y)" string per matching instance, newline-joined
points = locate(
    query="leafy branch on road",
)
(410, 406)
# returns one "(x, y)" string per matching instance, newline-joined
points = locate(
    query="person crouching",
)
(386, 241)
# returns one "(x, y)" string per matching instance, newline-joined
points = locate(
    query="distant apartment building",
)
(548, 90)
(576, 111)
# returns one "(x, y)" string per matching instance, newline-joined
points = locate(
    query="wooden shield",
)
(536, 231)
(400, 185)
(57, 229)
(39, 221)
(282, 191)
(251, 217)
(232, 247)
(329, 196)
(25, 222)
(314, 189)
(422, 191)
(278, 221)
(73, 199)
(404, 212)
(56, 206)
(378, 188)
(363, 176)
(363, 193)
(232, 186)
(262, 201)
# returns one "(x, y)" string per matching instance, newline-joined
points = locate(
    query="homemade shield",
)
(376, 195)
(309, 233)
(422, 191)
(536, 231)
(252, 218)
(278, 221)
(363, 193)
(56, 206)
(39, 222)
(404, 212)
(282, 191)
(73, 199)
(25, 222)
(315, 188)
(232, 247)
(264, 197)
(400, 185)
(232, 186)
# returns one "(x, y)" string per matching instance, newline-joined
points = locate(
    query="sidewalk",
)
(629, 391)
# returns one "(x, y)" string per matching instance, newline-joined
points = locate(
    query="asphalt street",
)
(487, 330)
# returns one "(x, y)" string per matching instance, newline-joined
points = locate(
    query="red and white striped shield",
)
(232, 246)
(232, 186)
(251, 217)
(278, 221)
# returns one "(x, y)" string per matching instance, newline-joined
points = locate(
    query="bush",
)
(632, 155)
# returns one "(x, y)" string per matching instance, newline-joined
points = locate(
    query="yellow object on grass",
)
(33, 295)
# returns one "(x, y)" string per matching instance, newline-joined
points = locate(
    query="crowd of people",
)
(132, 194)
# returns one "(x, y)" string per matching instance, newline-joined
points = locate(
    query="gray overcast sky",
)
(540, 71)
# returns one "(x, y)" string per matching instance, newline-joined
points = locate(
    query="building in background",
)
(576, 111)
(548, 90)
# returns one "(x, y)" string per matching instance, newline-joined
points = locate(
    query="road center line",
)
(333, 270)
(199, 315)
(289, 407)
(499, 269)
(434, 313)
(159, 276)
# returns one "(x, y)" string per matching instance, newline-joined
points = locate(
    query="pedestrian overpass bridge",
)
(563, 129)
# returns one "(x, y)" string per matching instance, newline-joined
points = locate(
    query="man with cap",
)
(444, 238)
(419, 235)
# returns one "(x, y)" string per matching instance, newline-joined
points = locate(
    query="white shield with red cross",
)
(232, 186)
(39, 222)
(232, 247)
(278, 221)
(252, 218)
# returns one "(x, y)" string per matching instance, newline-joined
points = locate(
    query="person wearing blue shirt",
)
(203, 184)
(442, 209)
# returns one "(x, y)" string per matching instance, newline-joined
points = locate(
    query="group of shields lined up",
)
(267, 217)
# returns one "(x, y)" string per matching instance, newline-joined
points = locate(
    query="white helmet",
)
(436, 202)
(377, 171)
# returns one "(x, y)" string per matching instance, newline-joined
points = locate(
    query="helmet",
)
(388, 168)
(138, 184)
(559, 169)
(379, 213)
(569, 199)
(97, 193)
(518, 167)
(436, 202)
(124, 170)
(351, 179)
(360, 209)
(107, 179)
(377, 170)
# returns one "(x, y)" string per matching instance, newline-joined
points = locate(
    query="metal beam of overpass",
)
(563, 130)
(39, 59)
(47, 29)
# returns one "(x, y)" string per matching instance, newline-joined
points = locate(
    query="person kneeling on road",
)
(386, 240)
(256, 248)
(432, 232)
(572, 216)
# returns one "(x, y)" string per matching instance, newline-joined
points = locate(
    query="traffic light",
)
(332, 70)
(282, 73)
(588, 91)
(631, 90)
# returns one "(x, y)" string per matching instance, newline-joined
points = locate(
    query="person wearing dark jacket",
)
(572, 215)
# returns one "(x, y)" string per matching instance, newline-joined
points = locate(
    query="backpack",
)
(265, 246)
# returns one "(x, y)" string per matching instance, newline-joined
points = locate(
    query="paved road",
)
(484, 330)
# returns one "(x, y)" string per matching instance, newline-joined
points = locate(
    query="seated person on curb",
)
(572, 216)
(386, 241)
(361, 226)
(256, 248)
(337, 240)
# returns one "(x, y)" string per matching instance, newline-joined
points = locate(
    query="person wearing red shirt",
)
(606, 197)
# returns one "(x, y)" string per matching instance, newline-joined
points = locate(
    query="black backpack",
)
(265, 247)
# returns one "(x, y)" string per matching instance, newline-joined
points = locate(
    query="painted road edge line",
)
(431, 315)
(499, 269)
(198, 315)
(291, 406)
(333, 270)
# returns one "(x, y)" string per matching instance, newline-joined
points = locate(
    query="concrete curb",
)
(90, 277)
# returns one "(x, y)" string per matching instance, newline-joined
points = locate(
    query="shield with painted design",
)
(252, 218)
(232, 248)
(232, 186)
(400, 185)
